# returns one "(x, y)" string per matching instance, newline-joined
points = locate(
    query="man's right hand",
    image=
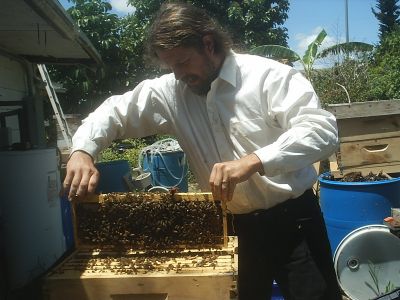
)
(82, 176)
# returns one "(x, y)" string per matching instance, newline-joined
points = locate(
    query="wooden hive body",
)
(369, 134)
(107, 272)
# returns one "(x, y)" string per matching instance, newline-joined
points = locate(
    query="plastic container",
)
(67, 224)
(112, 175)
(350, 205)
(168, 169)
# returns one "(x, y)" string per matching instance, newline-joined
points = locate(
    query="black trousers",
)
(289, 244)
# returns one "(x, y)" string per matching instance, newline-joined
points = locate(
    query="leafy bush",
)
(128, 149)
(385, 71)
(350, 76)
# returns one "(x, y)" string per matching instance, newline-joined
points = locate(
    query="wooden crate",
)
(190, 275)
(369, 134)
(122, 273)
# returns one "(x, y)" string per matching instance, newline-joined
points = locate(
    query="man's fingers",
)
(227, 189)
(225, 176)
(231, 190)
(82, 176)
(94, 180)
(216, 191)
(83, 185)
(73, 190)
(223, 180)
(224, 190)
(66, 184)
(221, 184)
(215, 182)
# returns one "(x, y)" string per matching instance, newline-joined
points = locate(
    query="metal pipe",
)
(347, 19)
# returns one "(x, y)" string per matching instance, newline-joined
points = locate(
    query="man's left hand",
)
(226, 175)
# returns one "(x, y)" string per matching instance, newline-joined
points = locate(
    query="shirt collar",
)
(229, 69)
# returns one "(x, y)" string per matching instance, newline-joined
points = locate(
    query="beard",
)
(202, 84)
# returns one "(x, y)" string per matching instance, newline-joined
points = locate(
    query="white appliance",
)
(30, 215)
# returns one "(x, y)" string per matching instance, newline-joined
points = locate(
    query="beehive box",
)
(369, 134)
(104, 267)
(190, 275)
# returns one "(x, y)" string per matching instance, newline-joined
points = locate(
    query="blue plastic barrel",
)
(67, 224)
(168, 169)
(349, 205)
(276, 292)
(112, 176)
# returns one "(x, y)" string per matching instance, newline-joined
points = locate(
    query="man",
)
(251, 129)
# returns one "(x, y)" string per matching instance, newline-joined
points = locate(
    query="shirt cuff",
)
(269, 156)
(90, 147)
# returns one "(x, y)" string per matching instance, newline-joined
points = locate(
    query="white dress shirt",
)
(255, 105)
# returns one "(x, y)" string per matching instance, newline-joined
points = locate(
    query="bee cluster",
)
(144, 263)
(139, 222)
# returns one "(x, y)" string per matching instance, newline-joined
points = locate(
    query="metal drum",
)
(367, 262)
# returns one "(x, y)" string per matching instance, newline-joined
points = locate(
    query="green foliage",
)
(385, 70)
(284, 53)
(350, 75)
(250, 23)
(347, 79)
(85, 87)
(120, 43)
(131, 152)
(312, 53)
(375, 286)
(373, 272)
(389, 287)
(388, 14)
(277, 52)
(346, 49)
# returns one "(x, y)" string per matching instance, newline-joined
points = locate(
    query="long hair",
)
(179, 24)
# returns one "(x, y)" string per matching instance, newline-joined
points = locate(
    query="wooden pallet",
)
(187, 275)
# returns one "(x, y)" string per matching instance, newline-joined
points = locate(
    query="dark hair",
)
(181, 24)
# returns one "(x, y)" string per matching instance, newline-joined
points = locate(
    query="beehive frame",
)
(102, 198)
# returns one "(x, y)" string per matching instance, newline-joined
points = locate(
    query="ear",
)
(208, 43)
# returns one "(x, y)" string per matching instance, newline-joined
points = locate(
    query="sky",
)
(306, 18)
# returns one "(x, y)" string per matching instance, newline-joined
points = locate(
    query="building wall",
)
(19, 82)
(13, 87)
